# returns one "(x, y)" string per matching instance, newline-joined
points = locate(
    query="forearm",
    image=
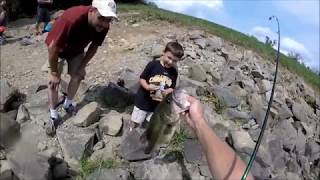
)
(144, 84)
(53, 52)
(223, 162)
(89, 54)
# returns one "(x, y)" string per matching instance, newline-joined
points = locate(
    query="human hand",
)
(195, 114)
(54, 80)
(167, 91)
(152, 87)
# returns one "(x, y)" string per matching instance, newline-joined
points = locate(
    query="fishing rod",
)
(264, 125)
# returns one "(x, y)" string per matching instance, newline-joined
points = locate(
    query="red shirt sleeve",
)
(59, 33)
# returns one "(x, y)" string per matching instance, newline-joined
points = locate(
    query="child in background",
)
(157, 80)
(54, 18)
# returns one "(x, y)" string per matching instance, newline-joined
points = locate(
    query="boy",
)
(157, 80)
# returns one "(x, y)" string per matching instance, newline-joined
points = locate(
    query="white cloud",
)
(183, 5)
(287, 44)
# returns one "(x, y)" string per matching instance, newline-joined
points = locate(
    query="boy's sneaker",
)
(71, 109)
(51, 126)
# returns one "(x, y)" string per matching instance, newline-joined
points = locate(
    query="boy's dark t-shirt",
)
(154, 73)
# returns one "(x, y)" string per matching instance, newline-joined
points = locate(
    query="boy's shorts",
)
(138, 115)
(74, 66)
(43, 15)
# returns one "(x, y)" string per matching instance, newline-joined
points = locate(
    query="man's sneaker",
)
(51, 126)
(71, 109)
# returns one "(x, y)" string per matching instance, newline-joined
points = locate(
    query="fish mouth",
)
(180, 99)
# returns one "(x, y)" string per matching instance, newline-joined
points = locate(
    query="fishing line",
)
(256, 148)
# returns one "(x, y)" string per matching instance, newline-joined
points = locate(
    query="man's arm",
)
(89, 54)
(223, 162)
(53, 52)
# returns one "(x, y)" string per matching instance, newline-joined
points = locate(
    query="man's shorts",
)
(138, 115)
(74, 66)
(43, 15)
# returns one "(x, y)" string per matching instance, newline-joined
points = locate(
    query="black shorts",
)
(43, 15)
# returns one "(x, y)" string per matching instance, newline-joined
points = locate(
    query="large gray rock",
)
(312, 150)
(157, 50)
(111, 123)
(226, 97)
(114, 174)
(76, 143)
(23, 114)
(130, 80)
(287, 133)
(6, 171)
(234, 114)
(264, 85)
(102, 154)
(152, 170)
(9, 128)
(303, 113)
(117, 97)
(202, 43)
(214, 43)
(132, 149)
(284, 112)
(196, 72)
(241, 140)
(87, 115)
(187, 82)
(60, 171)
(30, 166)
(192, 151)
(196, 34)
(7, 95)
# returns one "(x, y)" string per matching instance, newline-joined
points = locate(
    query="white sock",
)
(67, 103)
(54, 113)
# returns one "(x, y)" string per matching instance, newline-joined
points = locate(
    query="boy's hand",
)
(167, 91)
(152, 87)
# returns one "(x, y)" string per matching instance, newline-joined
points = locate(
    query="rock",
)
(216, 78)
(258, 112)
(5, 171)
(260, 172)
(3, 155)
(60, 171)
(214, 43)
(293, 166)
(116, 174)
(30, 166)
(102, 154)
(194, 172)
(284, 112)
(111, 123)
(7, 96)
(23, 114)
(287, 133)
(292, 176)
(196, 34)
(202, 43)
(312, 150)
(264, 85)
(9, 128)
(190, 53)
(254, 134)
(132, 149)
(257, 74)
(87, 115)
(300, 142)
(196, 72)
(204, 171)
(235, 115)
(221, 131)
(241, 140)
(186, 82)
(277, 155)
(76, 143)
(302, 112)
(226, 97)
(42, 146)
(228, 77)
(152, 170)
(192, 151)
(237, 91)
(130, 80)
(157, 50)
(98, 146)
(117, 97)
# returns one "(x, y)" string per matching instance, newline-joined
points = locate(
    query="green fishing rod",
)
(264, 125)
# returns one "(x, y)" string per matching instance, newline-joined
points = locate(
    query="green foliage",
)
(238, 38)
(89, 166)
(177, 141)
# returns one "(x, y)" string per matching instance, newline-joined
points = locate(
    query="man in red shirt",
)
(70, 34)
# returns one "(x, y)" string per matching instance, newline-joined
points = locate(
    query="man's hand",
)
(54, 80)
(195, 115)
(167, 91)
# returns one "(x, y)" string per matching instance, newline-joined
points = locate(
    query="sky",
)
(299, 21)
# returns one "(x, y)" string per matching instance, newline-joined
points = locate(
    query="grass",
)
(238, 38)
(209, 97)
(176, 143)
(89, 166)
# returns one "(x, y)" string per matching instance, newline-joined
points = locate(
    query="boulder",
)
(76, 143)
(202, 43)
(241, 140)
(23, 114)
(111, 123)
(87, 115)
(116, 174)
(235, 115)
(226, 97)
(257, 74)
(284, 112)
(117, 97)
(7, 96)
(192, 151)
(214, 43)
(264, 85)
(196, 34)
(60, 171)
(196, 72)
(6, 171)
(152, 170)
(287, 133)
(9, 128)
(102, 154)
(187, 82)
(130, 80)
(312, 150)
(157, 50)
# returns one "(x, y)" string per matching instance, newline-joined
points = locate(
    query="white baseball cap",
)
(106, 8)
